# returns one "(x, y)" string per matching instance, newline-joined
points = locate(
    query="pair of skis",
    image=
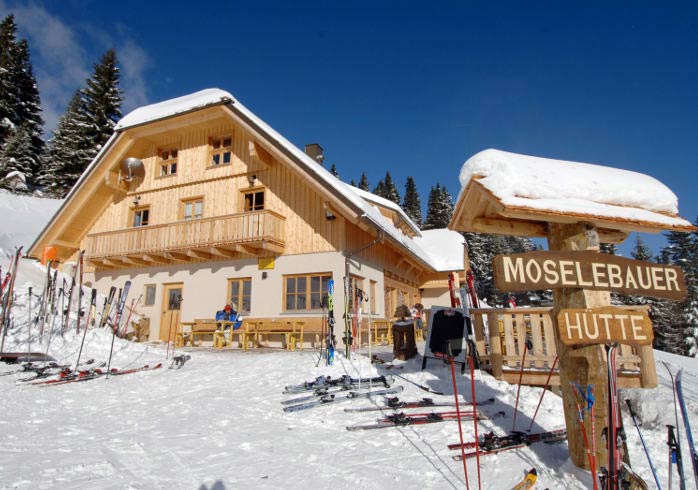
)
(673, 433)
(327, 381)
(491, 443)
(333, 398)
(402, 419)
(394, 403)
(87, 375)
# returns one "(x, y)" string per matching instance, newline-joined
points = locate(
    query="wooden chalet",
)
(224, 210)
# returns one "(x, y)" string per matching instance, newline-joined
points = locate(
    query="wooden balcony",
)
(252, 234)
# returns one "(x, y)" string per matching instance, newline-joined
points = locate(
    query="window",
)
(221, 150)
(192, 208)
(168, 162)
(240, 295)
(253, 201)
(149, 295)
(141, 216)
(305, 293)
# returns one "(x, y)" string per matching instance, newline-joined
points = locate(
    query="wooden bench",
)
(291, 331)
(382, 332)
(225, 336)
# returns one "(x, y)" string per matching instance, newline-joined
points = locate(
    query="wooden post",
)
(495, 345)
(584, 365)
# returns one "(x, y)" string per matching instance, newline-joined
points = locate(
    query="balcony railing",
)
(252, 233)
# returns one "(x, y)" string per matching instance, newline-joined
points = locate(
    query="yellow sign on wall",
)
(265, 263)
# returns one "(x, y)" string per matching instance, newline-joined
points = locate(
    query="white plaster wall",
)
(205, 285)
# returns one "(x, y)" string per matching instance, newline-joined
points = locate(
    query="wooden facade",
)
(218, 198)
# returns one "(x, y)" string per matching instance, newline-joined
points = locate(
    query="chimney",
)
(314, 151)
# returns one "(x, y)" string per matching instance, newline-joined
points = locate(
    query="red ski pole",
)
(527, 345)
(545, 388)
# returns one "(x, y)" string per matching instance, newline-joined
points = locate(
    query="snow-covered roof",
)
(444, 247)
(447, 259)
(172, 107)
(386, 203)
(347, 193)
(563, 187)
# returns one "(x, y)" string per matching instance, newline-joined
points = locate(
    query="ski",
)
(686, 425)
(117, 318)
(610, 475)
(492, 441)
(7, 304)
(328, 390)
(107, 307)
(325, 381)
(528, 481)
(330, 341)
(402, 420)
(73, 377)
(634, 418)
(394, 403)
(352, 395)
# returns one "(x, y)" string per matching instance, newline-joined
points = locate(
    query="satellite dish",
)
(132, 172)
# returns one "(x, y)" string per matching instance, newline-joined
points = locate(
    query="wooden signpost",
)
(574, 222)
(582, 326)
(587, 270)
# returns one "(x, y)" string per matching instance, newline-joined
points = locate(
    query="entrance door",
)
(171, 304)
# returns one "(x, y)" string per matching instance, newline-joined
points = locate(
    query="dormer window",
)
(168, 162)
(221, 151)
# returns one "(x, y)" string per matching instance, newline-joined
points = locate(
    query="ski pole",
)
(675, 433)
(449, 357)
(471, 364)
(90, 312)
(576, 390)
(29, 323)
(545, 388)
(527, 345)
(633, 416)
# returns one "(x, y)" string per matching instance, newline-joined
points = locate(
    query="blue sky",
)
(411, 87)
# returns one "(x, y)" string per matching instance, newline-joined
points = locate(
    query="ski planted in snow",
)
(332, 398)
(686, 425)
(330, 340)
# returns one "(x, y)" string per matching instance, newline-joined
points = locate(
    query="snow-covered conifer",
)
(411, 202)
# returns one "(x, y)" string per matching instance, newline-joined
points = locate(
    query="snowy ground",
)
(217, 423)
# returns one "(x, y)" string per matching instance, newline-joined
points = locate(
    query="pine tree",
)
(391, 192)
(333, 170)
(439, 208)
(15, 157)
(20, 104)
(411, 203)
(641, 251)
(82, 131)
(102, 101)
(67, 152)
(363, 182)
(379, 190)
(609, 248)
(676, 324)
(8, 96)
(352, 183)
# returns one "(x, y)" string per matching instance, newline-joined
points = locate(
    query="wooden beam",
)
(176, 257)
(508, 227)
(612, 236)
(132, 261)
(222, 252)
(66, 244)
(154, 259)
(196, 254)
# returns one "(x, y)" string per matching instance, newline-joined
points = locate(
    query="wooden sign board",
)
(587, 270)
(603, 326)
